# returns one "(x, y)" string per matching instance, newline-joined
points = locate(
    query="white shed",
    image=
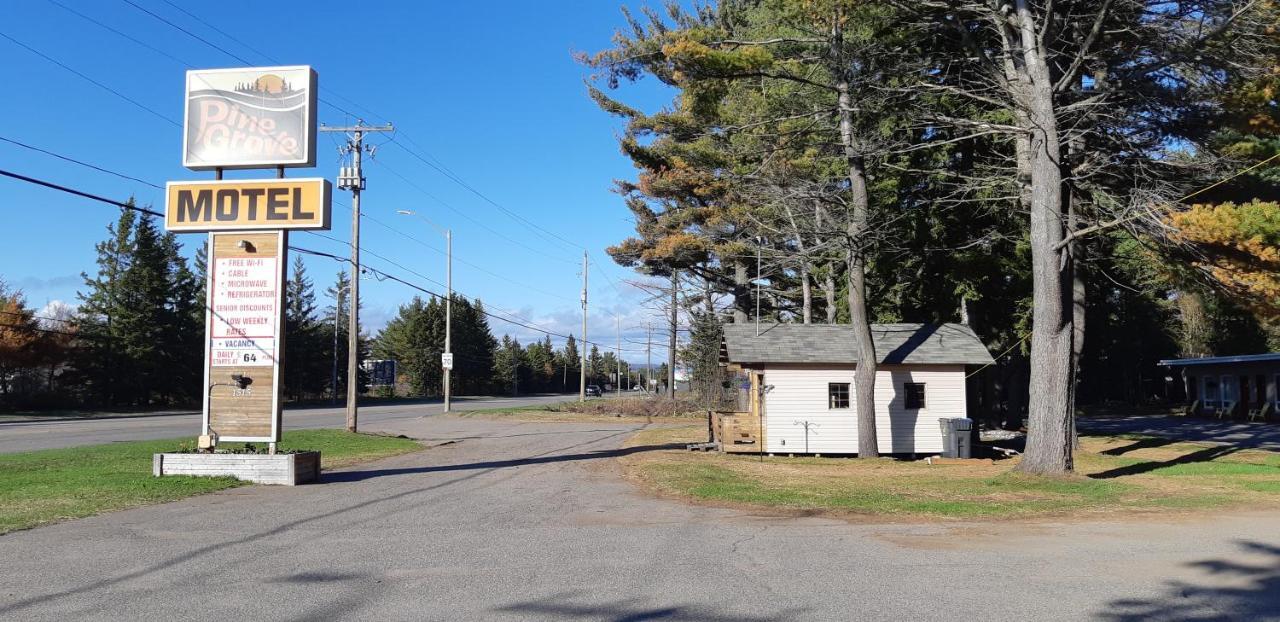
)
(801, 386)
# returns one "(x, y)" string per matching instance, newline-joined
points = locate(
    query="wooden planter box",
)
(283, 469)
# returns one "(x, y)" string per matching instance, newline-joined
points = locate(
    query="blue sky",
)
(488, 90)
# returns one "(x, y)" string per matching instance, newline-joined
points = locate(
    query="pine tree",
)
(140, 319)
(306, 370)
(474, 348)
(595, 367)
(703, 357)
(337, 325)
(415, 339)
(184, 327)
(99, 363)
(507, 367)
(571, 361)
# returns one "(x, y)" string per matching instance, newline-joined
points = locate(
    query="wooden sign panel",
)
(244, 324)
(259, 204)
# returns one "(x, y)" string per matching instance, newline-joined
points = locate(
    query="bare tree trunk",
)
(741, 298)
(806, 289)
(1078, 297)
(1049, 448)
(1078, 306)
(829, 290)
(806, 286)
(708, 295)
(864, 377)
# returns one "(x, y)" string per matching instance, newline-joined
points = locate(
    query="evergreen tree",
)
(570, 361)
(100, 364)
(595, 366)
(507, 367)
(474, 348)
(142, 341)
(415, 339)
(306, 370)
(337, 325)
(702, 354)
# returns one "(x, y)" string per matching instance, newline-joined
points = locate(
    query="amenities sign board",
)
(244, 311)
(246, 205)
(252, 117)
(245, 334)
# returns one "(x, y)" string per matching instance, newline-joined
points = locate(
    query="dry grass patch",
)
(1117, 475)
(609, 410)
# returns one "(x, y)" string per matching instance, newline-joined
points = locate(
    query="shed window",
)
(914, 392)
(838, 395)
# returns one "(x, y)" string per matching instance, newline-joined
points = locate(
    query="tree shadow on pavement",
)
(356, 476)
(557, 607)
(1204, 455)
(1253, 593)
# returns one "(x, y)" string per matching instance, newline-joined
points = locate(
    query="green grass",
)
(1163, 477)
(41, 487)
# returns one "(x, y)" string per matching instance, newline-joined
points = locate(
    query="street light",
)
(448, 304)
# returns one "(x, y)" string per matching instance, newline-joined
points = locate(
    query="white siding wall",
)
(800, 394)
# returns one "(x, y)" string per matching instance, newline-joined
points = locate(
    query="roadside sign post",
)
(446, 360)
(242, 118)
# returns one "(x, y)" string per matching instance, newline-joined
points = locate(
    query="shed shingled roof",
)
(913, 344)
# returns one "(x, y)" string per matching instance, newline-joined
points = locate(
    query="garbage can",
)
(962, 435)
(956, 441)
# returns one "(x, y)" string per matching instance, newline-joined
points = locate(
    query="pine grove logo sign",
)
(249, 118)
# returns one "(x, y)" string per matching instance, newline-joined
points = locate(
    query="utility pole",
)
(648, 359)
(671, 356)
(618, 322)
(352, 178)
(582, 373)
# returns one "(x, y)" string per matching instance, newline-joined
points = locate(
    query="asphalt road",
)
(26, 435)
(518, 521)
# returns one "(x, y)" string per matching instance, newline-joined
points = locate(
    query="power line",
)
(81, 163)
(516, 322)
(458, 180)
(86, 195)
(366, 216)
(122, 205)
(188, 32)
(91, 80)
(463, 214)
(121, 33)
(216, 46)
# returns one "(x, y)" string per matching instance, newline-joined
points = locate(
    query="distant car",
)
(636, 388)
(593, 391)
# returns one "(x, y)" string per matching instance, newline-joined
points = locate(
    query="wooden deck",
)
(737, 432)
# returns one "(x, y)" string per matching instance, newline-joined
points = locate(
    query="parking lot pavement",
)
(519, 521)
(1257, 435)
